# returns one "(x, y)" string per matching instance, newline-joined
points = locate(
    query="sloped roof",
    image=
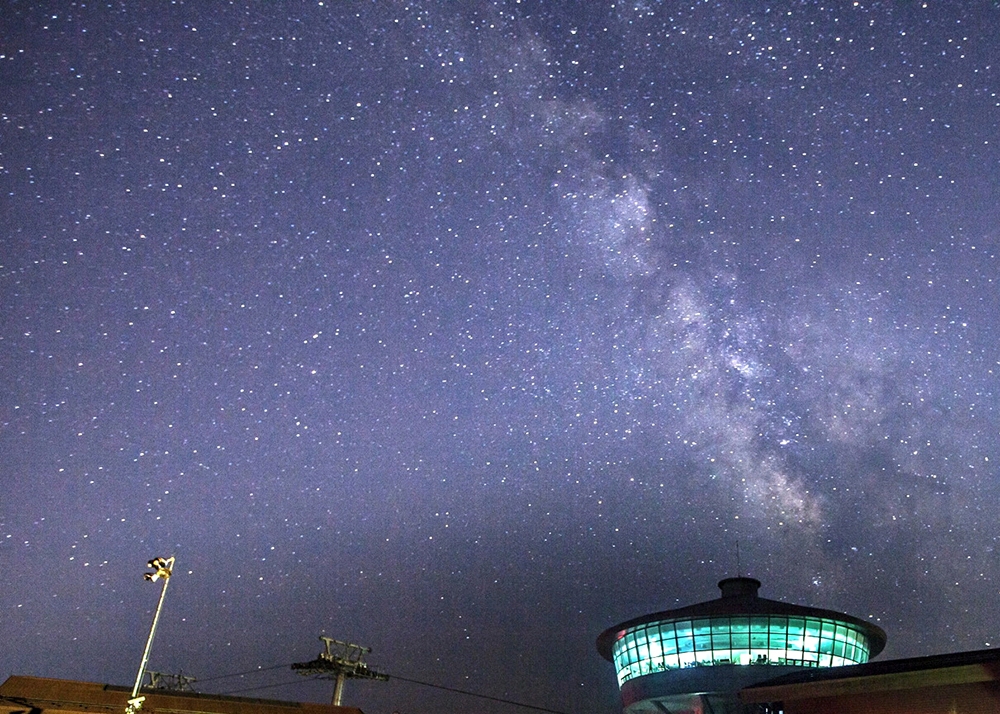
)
(62, 695)
(914, 672)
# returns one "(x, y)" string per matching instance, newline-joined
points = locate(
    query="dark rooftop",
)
(893, 675)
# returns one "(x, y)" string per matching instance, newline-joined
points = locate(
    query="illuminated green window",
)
(758, 640)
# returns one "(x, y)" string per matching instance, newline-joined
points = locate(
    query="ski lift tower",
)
(340, 661)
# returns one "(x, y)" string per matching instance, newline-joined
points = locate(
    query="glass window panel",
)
(758, 640)
(702, 627)
(655, 649)
(741, 641)
(828, 628)
(721, 641)
(703, 642)
(642, 651)
(758, 624)
(720, 626)
(796, 626)
(813, 628)
(685, 644)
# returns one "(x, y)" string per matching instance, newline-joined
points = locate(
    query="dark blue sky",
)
(466, 330)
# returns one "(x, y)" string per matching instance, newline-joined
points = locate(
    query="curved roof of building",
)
(739, 597)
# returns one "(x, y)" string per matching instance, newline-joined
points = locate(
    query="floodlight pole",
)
(163, 568)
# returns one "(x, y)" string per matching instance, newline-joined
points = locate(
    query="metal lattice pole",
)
(340, 661)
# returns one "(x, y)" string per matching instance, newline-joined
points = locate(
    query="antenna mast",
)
(340, 661)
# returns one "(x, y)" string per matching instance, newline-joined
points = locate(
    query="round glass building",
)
(697, 658)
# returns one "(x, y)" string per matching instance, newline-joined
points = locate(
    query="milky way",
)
(465, 330)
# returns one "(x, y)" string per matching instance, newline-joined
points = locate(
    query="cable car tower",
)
(340, 661)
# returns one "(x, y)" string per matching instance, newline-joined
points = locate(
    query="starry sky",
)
(465, 330)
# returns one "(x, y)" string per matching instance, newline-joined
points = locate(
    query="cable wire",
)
(391, 677)
(240, 674)
(267, 686)
(475, 694)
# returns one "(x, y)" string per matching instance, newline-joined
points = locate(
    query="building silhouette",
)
(953, 683)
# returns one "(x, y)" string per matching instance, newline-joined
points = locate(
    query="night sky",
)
(465, 330)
